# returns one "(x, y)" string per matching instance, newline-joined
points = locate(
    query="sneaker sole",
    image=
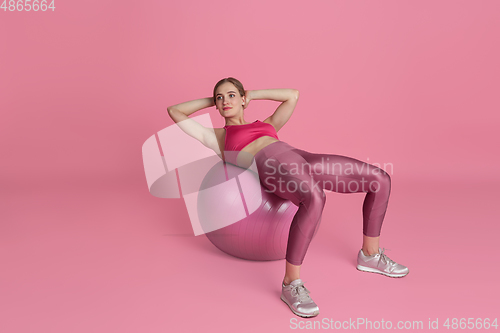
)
(298, 313)
(373, 270)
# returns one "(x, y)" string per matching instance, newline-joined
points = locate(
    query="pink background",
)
(84, 247)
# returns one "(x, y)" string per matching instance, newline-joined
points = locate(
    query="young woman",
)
(296, 175)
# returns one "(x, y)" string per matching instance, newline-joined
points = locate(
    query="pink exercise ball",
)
(259, 235)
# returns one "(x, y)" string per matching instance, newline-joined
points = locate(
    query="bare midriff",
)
(251, 149)
(247, 154)
(257, 145)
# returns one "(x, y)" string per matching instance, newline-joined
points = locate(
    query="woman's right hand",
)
(247, 98)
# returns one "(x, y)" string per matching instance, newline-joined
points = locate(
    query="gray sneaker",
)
(380, 263)
(295, 295)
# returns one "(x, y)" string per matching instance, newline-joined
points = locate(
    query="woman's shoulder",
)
(268, 121)
(219, 130)
(220, 135)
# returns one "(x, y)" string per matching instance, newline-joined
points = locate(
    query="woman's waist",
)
(261, 143)
(272, 149)
(255, 146)
(266, 148)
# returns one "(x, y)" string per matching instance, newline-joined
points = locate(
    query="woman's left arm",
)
(288, 97)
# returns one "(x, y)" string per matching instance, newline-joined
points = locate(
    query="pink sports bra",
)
(239, 136)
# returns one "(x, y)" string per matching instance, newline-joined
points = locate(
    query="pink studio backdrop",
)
(84, 246)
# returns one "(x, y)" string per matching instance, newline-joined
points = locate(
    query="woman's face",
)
(228, 100)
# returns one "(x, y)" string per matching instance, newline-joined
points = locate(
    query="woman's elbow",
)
(173, 113)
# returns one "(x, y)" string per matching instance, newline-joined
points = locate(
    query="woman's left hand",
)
(247, 99)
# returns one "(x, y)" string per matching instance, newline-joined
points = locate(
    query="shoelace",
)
(385, 258)
(301, 291)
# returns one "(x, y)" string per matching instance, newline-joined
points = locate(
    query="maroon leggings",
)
(301, 177)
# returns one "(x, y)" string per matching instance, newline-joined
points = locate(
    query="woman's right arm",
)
(190, 107)
(179, 114)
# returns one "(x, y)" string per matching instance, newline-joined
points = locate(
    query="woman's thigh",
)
(343, 174)
(288, 175)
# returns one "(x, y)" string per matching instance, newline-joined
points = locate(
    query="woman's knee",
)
(323, 198)
(382, 180)
(314, 208)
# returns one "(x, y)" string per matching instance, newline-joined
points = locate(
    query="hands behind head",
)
(247, 99)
